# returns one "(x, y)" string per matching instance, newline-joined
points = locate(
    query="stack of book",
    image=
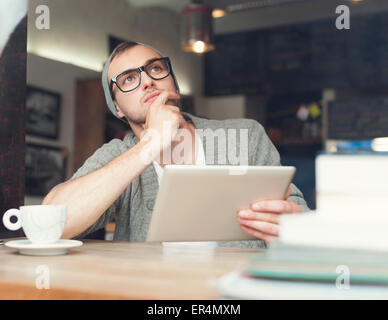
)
(352, 206)
(300, 272)
(340, 251)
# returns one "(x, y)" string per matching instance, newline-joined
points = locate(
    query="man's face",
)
(132, 105)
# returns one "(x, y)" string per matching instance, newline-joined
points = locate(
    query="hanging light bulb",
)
(199, 46)
(218, 13)
(197, 29)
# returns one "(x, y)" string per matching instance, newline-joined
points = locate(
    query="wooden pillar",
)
(89, 120)
(12, 123)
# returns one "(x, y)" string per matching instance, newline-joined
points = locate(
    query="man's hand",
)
(164, 119)
(261, 220)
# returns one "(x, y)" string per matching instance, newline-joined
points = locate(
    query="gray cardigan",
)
(132, 211)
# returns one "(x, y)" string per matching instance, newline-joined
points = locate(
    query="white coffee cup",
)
(42, 224)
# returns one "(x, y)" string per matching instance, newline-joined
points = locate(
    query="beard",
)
(138, 118)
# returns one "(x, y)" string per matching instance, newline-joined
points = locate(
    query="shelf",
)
(283, 113)
(298, 141)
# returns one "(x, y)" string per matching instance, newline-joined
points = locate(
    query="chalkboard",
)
(360, 119)
(302, 57)
(240, 69)
(328, 56)
(288, 56)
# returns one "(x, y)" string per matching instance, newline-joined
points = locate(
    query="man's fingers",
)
(248, 214)
(172, 108)
(276, 206)
(164, 97)
(261, 226)
(288, 193)
(177, 111)
(172, 102)
(182, 120)
(257, 234)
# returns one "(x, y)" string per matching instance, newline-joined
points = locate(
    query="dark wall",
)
(300, 57)
(12, 127)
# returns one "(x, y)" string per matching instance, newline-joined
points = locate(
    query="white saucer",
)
(60, 247)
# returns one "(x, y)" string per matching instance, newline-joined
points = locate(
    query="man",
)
(120, 180)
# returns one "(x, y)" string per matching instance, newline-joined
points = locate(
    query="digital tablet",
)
(200, 203)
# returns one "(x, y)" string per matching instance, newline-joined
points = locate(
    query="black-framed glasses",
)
(129, 80)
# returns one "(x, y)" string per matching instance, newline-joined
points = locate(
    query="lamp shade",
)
(197, 29)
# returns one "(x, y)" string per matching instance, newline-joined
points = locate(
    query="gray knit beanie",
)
(105, 84)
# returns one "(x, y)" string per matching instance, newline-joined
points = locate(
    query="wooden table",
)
(120, 270)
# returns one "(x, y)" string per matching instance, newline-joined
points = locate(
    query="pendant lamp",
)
(197, 29)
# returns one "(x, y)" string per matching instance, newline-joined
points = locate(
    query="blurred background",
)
(284, 63)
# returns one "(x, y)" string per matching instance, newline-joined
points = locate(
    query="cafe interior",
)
(313, 73)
